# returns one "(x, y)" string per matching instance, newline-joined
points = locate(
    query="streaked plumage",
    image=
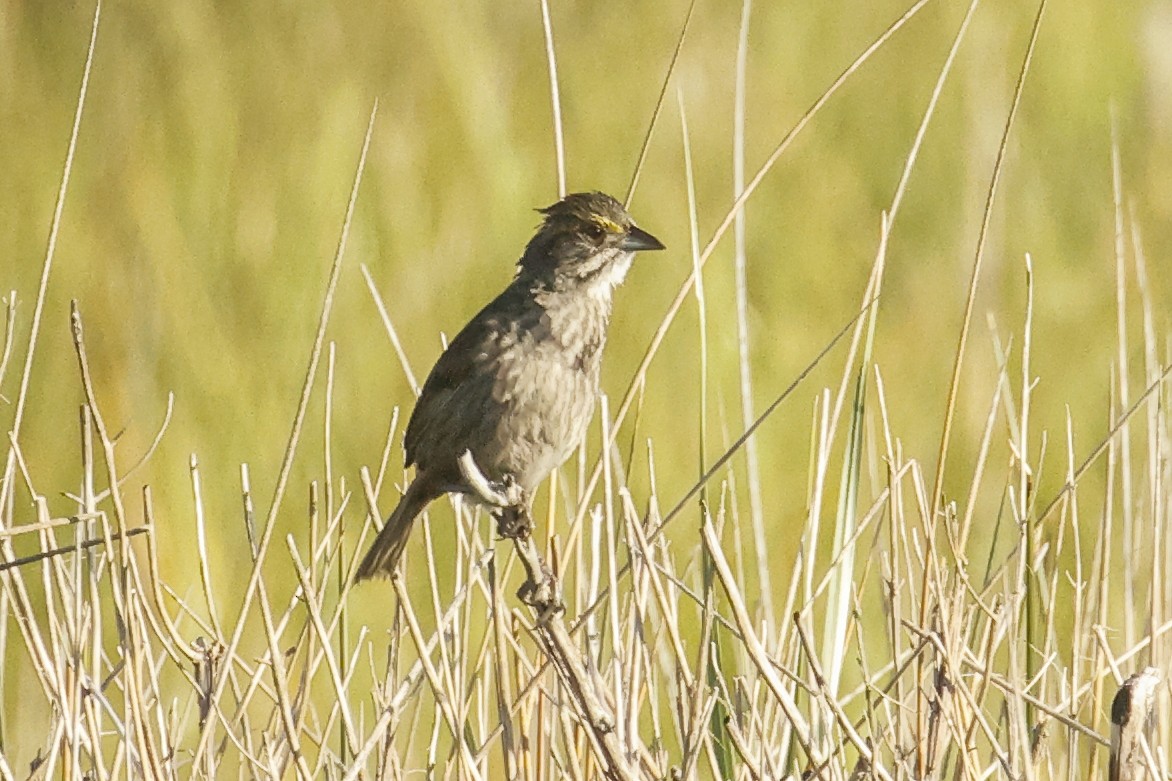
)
(517, 386)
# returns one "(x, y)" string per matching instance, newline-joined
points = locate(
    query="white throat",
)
(604, 284)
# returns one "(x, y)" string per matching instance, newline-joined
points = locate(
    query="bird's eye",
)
(595, 232)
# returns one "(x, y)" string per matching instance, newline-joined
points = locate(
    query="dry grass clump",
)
(952, 644)
(915, 635)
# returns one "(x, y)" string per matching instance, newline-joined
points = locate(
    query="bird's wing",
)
(471, 356)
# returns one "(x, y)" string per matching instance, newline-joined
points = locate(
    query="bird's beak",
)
(638, 239)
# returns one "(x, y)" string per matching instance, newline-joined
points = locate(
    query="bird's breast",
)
(545, 391)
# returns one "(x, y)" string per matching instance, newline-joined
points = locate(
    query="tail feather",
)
(388, 545)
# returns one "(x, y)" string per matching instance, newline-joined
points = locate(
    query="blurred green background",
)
(219, 142)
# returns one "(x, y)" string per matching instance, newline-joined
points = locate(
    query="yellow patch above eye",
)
(610, 226)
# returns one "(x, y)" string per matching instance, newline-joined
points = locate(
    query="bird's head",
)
(587, 240)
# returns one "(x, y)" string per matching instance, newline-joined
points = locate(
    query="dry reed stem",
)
(541, 593)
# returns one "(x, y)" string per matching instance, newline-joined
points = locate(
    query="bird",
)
(517, 386)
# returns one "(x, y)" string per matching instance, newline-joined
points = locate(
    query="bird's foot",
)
(514, 522)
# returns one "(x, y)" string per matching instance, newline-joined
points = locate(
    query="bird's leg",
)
(506, 493)
(512, 493)
(507, 500)
(514, 521)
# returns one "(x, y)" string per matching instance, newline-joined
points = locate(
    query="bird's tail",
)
(388, 545)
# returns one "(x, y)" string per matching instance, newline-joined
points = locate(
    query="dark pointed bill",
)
(638, 239)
